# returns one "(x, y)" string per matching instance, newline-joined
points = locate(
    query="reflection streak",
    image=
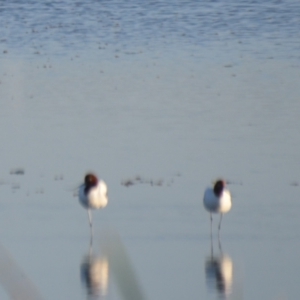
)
(94, 272)
(219, 272)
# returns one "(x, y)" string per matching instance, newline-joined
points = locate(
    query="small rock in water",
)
(39, 191)
(58, 177)
(139, 180)
(17, 171)
(15, 186)
(127, 182)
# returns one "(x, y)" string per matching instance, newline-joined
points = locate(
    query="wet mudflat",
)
(159, 100)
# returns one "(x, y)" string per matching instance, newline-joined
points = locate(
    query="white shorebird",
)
(93, 194)
(217, 200)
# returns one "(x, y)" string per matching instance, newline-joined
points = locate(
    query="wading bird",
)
(217, 200)
(93, 194)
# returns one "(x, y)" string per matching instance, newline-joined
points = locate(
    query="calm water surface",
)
(174, 93)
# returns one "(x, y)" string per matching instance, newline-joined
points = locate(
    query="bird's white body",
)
(95, 198)
(215, 204)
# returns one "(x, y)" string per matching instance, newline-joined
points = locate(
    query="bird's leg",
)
(211, 225)
(91, 244)
(90, 218)
(211, 245)
(219, 240)
(220, 222)
(220, 245)
(91, 224)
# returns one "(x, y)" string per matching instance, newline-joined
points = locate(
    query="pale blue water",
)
(51, 28)
(178, 93)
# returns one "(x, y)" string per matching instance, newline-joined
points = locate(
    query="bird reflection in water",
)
(219, 272)
(94, 271)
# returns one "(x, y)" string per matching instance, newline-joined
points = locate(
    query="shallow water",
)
(129, 28)
(168, 93)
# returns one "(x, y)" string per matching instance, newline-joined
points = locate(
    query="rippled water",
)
(168, 96)
(132, 27)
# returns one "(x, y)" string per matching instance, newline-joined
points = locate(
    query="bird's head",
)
(219, 187)
(90, 180)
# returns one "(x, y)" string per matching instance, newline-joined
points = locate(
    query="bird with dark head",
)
(217, 200)
(219, 187)
(93, 194)
(90, 180)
